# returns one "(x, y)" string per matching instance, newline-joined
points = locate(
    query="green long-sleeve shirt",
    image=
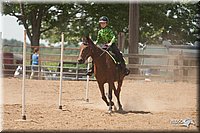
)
(105, 35)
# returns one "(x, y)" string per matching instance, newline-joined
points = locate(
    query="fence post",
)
(77, 69)
(40, 65)
(1, 38)
(185, 70)
(121, 41)
(180, 64)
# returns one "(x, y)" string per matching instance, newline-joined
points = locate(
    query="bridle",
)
(104, 50)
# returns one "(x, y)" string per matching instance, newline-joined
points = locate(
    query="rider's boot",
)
(125, 70)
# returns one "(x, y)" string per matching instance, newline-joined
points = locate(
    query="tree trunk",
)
(35, 39)
(133, 34)
(33, 32)
(35, 26)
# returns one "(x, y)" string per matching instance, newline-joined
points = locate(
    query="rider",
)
(107, 37)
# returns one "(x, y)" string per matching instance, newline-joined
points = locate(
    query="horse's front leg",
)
(101, 87)
(111, 87)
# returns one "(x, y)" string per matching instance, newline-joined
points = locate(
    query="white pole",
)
(87, 83)
(24, 76)
(61, 69)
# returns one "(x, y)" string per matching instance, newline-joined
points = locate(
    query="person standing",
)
(35, 62)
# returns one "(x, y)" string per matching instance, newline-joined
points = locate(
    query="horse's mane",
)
(89, 40)
(103, 51)
(91, 43)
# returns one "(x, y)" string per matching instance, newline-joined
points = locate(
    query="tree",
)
(167, 21)
(86, 20)
(47, 21)
(197, 23)
(133, 34)
(39, 18)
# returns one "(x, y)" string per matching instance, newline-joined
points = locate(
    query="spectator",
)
(35, 62)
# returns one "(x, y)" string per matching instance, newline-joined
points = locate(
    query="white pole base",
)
(60, 107)
(87, 100)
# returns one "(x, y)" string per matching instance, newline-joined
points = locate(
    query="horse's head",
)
(85, 50)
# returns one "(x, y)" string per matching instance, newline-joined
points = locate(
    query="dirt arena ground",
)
(148, 106)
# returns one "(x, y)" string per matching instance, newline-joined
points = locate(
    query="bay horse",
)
(105, 70)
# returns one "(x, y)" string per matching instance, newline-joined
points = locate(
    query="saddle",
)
(120, 65)
(113, 57)
(111, 54)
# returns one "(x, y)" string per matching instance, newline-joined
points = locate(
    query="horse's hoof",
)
(120, 109)
(112, 104)
(115, 108)
(109, 111)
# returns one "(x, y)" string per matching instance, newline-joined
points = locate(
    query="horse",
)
(105, 70)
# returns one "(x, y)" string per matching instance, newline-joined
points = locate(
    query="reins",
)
(103, 51)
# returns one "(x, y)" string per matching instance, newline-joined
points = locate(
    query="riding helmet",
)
(103, 19)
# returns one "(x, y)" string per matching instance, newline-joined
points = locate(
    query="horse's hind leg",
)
(111, 87)
(117, 93)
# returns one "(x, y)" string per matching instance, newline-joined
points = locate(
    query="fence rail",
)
(177, 66)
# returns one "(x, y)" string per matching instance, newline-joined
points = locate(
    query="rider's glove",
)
(109, 44)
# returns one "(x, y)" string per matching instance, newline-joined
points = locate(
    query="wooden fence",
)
(49, 64)
(178, 66)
